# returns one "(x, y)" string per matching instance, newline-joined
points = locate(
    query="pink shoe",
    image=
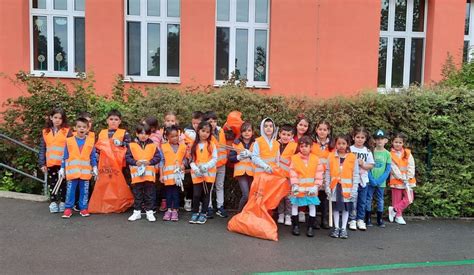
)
(167, 216)
(163, 205)
(174, 216)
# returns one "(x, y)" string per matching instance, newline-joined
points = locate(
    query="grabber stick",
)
(330, 212)
(57, 185)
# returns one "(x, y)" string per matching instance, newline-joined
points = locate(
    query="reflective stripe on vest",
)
(55, 144)
(285, 157)
(78, 164)
(172, 160)
(147, 154)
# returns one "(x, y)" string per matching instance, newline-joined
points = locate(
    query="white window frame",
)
(251, 27)
(408, 35)
(470, 37)
(49, 13)
(144, 19)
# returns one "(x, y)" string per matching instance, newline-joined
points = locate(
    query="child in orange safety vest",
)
(341, 183)
(287, 149)
(306, 177)
(172, 171)
(203, 171)
(52, 142)
(242, 157)
(142, 156)
(266, 150)
(78, 166)
(402, 178)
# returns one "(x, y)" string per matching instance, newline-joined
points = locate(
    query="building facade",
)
(315, 48)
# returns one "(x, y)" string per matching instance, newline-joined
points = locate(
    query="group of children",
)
(341, 173)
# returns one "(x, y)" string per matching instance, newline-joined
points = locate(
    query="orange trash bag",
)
(265, 194)
(111, 193)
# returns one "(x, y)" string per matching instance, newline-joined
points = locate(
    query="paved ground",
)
(34, 241)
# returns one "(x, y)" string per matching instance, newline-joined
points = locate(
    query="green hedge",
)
(439, 122)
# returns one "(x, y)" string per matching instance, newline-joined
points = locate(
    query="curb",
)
(23, 196)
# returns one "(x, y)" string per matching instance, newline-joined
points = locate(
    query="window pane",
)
(173, 8)
(222, 53)
(384, 15)
(400, 15)
(223, 10)
(242, 10)
(382, 62)
(416, 60)
(260, 55)
(398, 61)
(173, 50)
(468, 17)
(79, 44)
(261, 11)
(40, 43)
(60, 44)
(39, 4)
(133, 48)
(418, 15)
(241, 52)
(153, 7)
(465, 52)
(153, 49)
(60, 4)
(79, 5)
(133, 7)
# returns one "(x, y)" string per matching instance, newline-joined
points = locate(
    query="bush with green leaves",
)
(439, 122)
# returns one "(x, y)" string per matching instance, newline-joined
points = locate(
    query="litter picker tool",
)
(57, 185)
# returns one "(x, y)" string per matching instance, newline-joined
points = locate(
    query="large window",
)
(242, 34)
(57, 37)
(402, 43)
(468, 52)
(152, 31)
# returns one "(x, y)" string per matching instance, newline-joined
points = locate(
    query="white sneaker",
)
(53, 208)
(135, 216)
(361, 225)
(400, 220)
(301, 216)
(391, 213)
(353, 225)
(149, 216)
(288, 220)
(187, 205)
(281, 218)
(62, 206)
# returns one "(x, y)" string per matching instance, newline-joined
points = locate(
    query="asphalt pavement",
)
(34, 241)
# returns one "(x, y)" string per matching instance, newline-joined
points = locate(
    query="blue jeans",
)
(172, 196)
(361, 201)
(83, 193)
(378, 197)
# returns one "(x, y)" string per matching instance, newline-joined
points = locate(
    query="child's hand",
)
(44, 169)
(361, 162)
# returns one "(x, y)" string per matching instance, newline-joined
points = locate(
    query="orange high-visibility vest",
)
(285, 157)
(78, 165)
(172, 161)
(267, 155)
(306, 172)
(55, 146)
(221, 152)
(322, 154)
(402, 164)
(119, 134)
(143, 154)
(344, 174)
(244, 166)
(204, 156)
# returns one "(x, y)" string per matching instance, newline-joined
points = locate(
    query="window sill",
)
(131, 79)
(250, 86)
(54, 74)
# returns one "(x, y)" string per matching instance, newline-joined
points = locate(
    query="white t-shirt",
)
(367, 156)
